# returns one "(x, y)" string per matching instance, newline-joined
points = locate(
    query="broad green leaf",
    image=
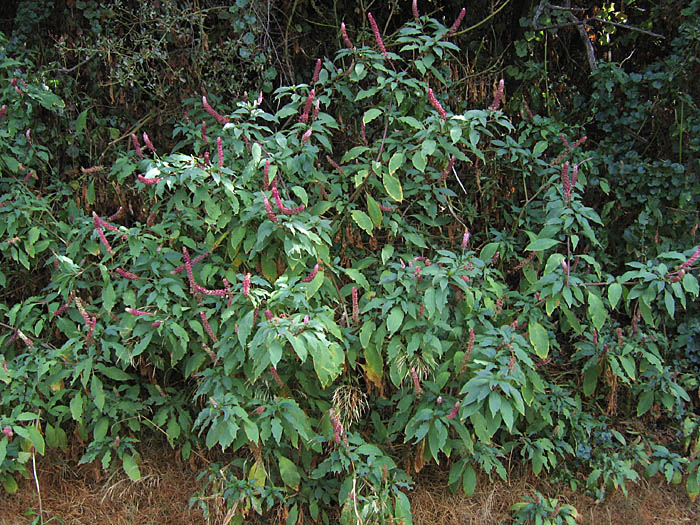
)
(387, 252)
(131, 468)
(690, 284)
(108, 297)
(357, 276)
(257, 475)
(81, 121)
(375, 212)
(539, 245)
(596, 310)
(101, 428)
(590, 379)
(366, 332)
(394, 320)
(76, 408)
(539, 147)
(289, 472)
(402, 509)
(370, 115)
(392, 185)
(35, 438)
(645, 402)
(328, 362)
(418, 160)
(374, 365)
(469, 480)
(670, 303)
(362, 220)
(395, 162)
(614, 294)
(539, 339)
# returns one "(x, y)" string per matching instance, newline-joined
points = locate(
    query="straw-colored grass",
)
(77, 495)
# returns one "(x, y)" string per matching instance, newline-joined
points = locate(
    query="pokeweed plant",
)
(324, 294)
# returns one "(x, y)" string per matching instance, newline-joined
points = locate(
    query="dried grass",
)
(77, 495)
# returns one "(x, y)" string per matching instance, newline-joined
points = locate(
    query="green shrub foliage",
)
(371, 278)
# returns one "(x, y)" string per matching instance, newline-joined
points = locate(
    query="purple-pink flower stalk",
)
(148, 142)
(207, 327)
(127, 275)
(217, 116)
(436, 104)
(317, 71)
(414, 9)
(311, 275)
(346, 38)
(457, 23)
(307, 106)
(220, 151)
(204, 132)
(137, 146)
(498, 96)
(377, 35)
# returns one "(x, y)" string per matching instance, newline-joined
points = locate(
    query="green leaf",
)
(670, 304)
(366, 332)
(394, 320)
(418, 160)
(645, 402)
(101, 428)
(690, 284)
(539, 147)
(289, 472)
(131, 468)
(387, 252)
(469, 480)
(362, 220)
(81, 121)
(108, 297)
(590, 379)
(374, 365)
(596, 310)
(539, 339)
(328, 362)
(395, 162)
(539, 245)
(357, 276)
(76, 408)
(614, 294)
(375, 212)
(314, 285)
(392, 185)
(402, 509)
(370, 115)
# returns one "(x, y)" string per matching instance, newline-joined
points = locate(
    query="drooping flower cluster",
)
(377, 35)
(311, 275)
(220, 151)
(338, 430)
(436, 104)
(148, 181)
(468, 353)
(457, 22)
(465, 239)
(137, 146)
(217, 116)
(307, 106)
(207, 326)
(148, 143)
(498, 97)
(346, 38)
(454, 411)
(127, 275)
(414, 9)
(317, 71)
(282, 208)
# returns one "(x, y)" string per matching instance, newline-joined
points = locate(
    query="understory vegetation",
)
(420, 247)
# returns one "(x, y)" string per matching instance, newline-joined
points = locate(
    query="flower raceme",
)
(436, 104)
(346, 38)
(377, 35)
(498, 96)
(217, 116)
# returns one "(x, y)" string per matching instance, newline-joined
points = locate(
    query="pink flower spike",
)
(454, 411)
(268, 209)
(346, 38)
(565, 182)
(457, 23)
(220, 151)
(218, 117)
(204, 132)
(306, 319)
(386, 208)
(579, 142)
(362, 133)
(687, 264)
(266, 181)
(2, 110)
(260, 98)
(194, 261)
(127, 275)
(448, 169)
(137, 146)
(574, 177)
(307, 136)
(188, 267)
(8, 432)
(355, 306)
(156, 324)
(268, 315)
(465, 239)
(246, 285)
(307, 106)
(317, 109)
(207, 160)
(28, 342)
(148, 142)
(134, 311)
(436, 104)
(311, 276)
(102, 237)
(317, 71)
(498, 96)
(28, 134)
(377, 34)
(334, 164)
(149, 182)
(414, 9)
(207, 327)
(416, 382)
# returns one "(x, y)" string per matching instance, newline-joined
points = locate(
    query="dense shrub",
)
(371, 278)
